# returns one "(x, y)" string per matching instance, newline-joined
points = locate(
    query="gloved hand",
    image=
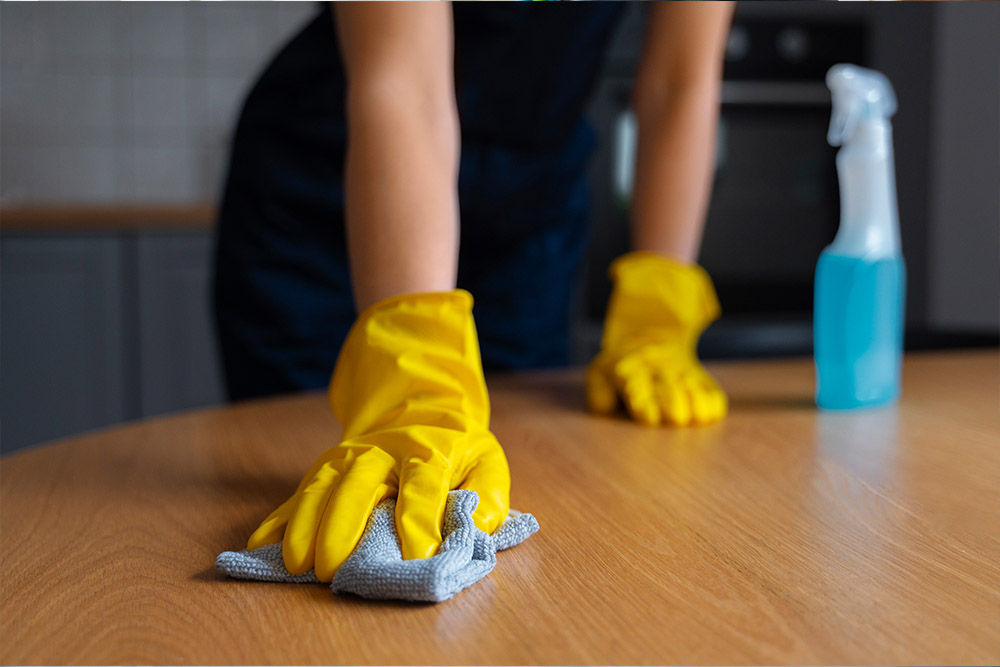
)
(658, 308)
(409, 391)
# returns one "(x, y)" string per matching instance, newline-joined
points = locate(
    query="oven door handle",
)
(775, 93)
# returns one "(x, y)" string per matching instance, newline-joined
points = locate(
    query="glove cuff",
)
(405, 356)
(656, 297)
(458, 299)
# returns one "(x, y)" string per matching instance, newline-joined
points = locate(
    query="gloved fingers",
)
(272, 528)
(602, 397)
(333, 458)
(674, 401)
(716, 399)
(299, 546)
(708, 401)
(702, 407)
(362, 487)
(423, 492)
(490, 479)
(636, 387)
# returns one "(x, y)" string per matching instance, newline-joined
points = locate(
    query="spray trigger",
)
(858, 94)
(842, 122)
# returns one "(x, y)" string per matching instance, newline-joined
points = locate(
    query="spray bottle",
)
(860, 277)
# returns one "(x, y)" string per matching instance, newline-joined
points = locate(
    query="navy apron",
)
(282, 292)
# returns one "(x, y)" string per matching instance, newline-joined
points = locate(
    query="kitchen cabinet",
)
(178, 359)
(99, 328)
(62, 337)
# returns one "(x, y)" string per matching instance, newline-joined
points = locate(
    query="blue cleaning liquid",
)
(858, 330)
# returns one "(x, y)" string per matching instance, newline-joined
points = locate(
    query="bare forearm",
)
(676, 101)
(674, 164)
(403, 146)
(402, 208)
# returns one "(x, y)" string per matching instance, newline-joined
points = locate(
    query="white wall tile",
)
(166, 174)
(232, 38)
(45, 18)
(18, 102)
(45, 110)
(159, 39)
(87, 173)
(18, 131)
(81, 101)
(18, 52)
(26, 171)
(83, 34)
(74, 137)
(125, 176)
(159, 102)
(14, 181)
(125, 101)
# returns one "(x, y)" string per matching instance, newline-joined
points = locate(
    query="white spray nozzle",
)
(858, 94)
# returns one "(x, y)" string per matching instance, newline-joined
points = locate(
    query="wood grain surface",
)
(783, 535)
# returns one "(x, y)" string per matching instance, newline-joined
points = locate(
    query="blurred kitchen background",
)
(115, 119)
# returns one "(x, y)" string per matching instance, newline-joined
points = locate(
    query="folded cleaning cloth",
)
(376, 568)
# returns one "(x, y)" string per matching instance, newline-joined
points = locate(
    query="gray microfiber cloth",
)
(376, 568)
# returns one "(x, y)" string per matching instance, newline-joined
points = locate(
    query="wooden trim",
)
(86, 217)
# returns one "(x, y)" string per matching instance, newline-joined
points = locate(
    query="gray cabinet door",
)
(178, 358)
(61, 337)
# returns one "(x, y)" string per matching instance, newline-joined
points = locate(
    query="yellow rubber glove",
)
(409, 391)
(648, 359)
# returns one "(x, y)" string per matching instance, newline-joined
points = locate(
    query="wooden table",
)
(783, 535)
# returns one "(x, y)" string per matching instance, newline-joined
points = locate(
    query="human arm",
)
(661, 299)
(408, 387)
(401, 171)
(676, 104)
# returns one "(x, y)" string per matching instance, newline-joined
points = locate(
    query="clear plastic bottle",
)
(861, 277)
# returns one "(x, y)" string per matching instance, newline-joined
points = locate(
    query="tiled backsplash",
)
(130, 102)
